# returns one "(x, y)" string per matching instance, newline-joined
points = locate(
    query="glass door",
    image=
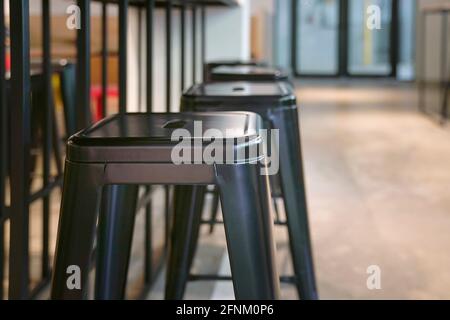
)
(345, 37)
(369, 37)
(317, 32)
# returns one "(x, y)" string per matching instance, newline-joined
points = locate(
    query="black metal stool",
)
(249, 73)
(276, 104)
(244, 71)
(137, 149)
(209, 66)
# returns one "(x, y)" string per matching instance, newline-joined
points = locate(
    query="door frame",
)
(342, 53)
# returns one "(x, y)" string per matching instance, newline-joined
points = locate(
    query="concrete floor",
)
(378, 182)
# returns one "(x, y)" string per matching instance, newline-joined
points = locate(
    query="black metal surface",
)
(116, 225)
(203, 39)
(68, 87)
(168, 56)
(123, 26)
(149, 52)
(210, 65)
(194, 44)
(47, 132)
(167, 189)
(20, 137)
(394, 39)
(248, 228)
(77, 116)
(188, 209)
(294, 194)
(84, 117)
(248, 73)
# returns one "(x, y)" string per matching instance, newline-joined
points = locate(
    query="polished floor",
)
(378, 185)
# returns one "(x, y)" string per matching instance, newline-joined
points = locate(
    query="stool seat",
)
(209, 66)
(227, 95)
(141, 137)
(248, 73)
(136, 149)
(275, 102)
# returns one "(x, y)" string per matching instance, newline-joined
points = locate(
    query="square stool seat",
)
(276, 103)
(248, 73)
(248, 96)
(137, 149)
(209, 66)
(140, 137)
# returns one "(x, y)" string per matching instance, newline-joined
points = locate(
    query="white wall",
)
(227, 37)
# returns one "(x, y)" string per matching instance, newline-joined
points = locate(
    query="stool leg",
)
(68, 87)
(184, 237)
(76, 229)
(245, 199)
(57, 154)
(214, 210)
(293, 186)
(115, 235)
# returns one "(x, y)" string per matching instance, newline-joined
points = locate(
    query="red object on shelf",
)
(7, 62)
(96, 95)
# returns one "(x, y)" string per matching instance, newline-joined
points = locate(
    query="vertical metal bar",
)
(168, 55)
(168, 104)
(3, 145)
(203, 39)
(194, 44)
(444, 58)
(343, 38)
(294, 32)
(148, 272)
(47, 132)
(123, 19)
(104, 58)
(394, 43)
(20, 139)
(83, 105)
(2, 260)
(183, 44)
